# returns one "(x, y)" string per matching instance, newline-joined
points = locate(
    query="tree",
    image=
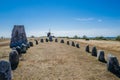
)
(118, 38)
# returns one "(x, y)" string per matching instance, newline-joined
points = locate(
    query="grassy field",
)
(57, 61)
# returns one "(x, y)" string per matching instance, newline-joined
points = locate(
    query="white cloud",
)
(84, 19)
(99, 20)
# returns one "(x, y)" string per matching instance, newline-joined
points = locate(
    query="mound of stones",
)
(62, 41)
(5, 70)
(94, 51)
(14, 59)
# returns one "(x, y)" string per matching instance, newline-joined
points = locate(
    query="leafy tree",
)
(118, 38)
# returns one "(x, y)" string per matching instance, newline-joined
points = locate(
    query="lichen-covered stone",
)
(28, 45)
(101, 56)
(5, 70)
(113, 65)
(14, 59)
(94, 51)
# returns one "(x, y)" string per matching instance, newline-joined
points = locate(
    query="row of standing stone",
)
(7, 66)
(112, 62)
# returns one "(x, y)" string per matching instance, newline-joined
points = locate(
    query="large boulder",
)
(18, 36)
(50, 38)
(62, 41)
(18, 49)
(31, 44)
(101, 56)
(28, 45)
(5, 70)
(87, 49)
(94, 51)
(113, 65)
(14, 59)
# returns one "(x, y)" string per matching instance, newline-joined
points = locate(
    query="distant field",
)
(57, 61)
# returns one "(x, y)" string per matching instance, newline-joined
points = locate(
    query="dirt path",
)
(56, 61)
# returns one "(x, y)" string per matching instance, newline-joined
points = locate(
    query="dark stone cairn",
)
(94, 51)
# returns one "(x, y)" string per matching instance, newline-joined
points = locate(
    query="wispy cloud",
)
(84, 19)
(100, 20)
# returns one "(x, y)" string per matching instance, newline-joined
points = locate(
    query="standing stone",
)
(23, 48)
(41, 40)
(36, 42)
(113, 65)
(87, 49)
(56, 40)
(31, 44)
(100, 56)
(68, 43)
(73, 44)
(46, 40)
(14, 59)
(28, 45)
(62, 41)
(77, 45)
(18, 49)
(94, 51)
(18, 36)
(50, 38)
(5, 70)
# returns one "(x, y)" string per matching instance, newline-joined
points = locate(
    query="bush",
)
(118, 38)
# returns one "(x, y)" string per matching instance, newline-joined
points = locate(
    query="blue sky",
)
(63, 17)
